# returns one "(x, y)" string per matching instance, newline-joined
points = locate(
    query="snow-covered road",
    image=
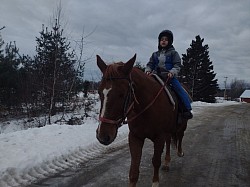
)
(36, 153)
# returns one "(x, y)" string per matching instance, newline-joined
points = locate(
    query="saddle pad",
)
(165, 88)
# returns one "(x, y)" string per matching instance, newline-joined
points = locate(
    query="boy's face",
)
(164, 41)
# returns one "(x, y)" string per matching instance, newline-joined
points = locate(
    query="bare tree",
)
(79, 66)
(2, 28)
(237, 87)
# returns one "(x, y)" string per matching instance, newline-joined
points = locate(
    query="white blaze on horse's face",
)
(105, 100)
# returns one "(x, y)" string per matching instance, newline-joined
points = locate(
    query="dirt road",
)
(217, 153)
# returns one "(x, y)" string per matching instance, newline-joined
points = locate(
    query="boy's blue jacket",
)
(170, 63)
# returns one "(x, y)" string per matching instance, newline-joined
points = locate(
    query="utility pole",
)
(225, 91)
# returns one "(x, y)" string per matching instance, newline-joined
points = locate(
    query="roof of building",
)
(245, 94)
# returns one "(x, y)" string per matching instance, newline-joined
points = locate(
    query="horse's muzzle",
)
(105, 138)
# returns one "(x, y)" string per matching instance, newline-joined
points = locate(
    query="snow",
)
(34, 153)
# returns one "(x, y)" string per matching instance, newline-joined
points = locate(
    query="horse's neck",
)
(145, 86)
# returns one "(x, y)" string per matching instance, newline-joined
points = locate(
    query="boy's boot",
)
(187, 114)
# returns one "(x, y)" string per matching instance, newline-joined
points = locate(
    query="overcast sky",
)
(121, 28)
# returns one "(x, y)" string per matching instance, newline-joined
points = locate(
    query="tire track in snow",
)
(15, 178)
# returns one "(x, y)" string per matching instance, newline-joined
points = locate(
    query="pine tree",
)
(9, 76)
(27, 80)
(55, 67)
(197, 72)
(1, 50)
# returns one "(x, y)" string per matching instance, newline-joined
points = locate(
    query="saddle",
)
(174, 98)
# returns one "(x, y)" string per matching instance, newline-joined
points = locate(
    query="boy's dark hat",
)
(168, 34)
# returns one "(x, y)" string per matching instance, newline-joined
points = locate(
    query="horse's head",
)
(115, 93)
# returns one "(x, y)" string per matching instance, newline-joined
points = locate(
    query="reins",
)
(151, 103)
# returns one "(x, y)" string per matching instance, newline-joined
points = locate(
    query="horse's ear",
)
(129, 65)
(101, 64)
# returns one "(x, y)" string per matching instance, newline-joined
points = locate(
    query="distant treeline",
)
(50, 81)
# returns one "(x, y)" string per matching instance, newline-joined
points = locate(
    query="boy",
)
(168, 62)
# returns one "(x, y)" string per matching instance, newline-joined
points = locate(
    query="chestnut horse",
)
(127, 92)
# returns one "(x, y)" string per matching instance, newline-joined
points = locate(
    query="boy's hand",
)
(170, 75)
(148, 72)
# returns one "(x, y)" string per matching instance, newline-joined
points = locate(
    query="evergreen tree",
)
(9, 76)
(197, 72)
(55, 67)
(27, 81)
(1, 50)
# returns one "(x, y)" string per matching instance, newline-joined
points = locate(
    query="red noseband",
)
(110, 121)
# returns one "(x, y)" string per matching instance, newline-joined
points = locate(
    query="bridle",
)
(129, 102)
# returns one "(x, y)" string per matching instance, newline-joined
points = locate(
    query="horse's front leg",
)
(167, 155)
(156, 160)
(135, 146)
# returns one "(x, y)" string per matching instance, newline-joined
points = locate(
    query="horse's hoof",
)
(155, 184)
(165, 168)
(180, 154)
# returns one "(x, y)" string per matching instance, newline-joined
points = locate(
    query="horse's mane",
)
(113, 70)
